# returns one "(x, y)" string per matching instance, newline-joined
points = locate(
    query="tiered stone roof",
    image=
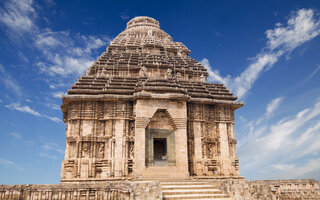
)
(144, 59)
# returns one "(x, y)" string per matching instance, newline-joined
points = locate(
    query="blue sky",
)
(266, 52)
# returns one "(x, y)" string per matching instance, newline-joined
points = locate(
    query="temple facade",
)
(145, 110)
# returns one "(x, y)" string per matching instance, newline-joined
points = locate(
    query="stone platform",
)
(239, 189)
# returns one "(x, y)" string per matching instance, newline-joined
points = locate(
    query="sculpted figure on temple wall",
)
(132, 129)
(202, 78)
(178, 76)
(143, 71)
(131, 151)
(85, 150)
(101, 150)
(169, 73)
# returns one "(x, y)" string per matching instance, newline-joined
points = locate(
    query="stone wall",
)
(100, 142)
(64, 192)
(238, 189)
(269, 189)
(211, 141)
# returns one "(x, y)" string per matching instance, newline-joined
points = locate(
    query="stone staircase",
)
(191, 190)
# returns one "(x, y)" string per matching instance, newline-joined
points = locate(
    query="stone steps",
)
(191, 190)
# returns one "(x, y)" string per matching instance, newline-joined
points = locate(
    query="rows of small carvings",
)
(190, 145)
(208, 112)
(232, 140)
(129, 133)
(94, 128)
(79, 168)
(83, 148)
(90, 159)
(100, 110)
(212, 167)
(99, 149)
(80, 127)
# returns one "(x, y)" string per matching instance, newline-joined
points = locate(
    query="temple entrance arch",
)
(160, 140)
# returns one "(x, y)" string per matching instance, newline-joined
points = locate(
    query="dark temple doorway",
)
(160, 151)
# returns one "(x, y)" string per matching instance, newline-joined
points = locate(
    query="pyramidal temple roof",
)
(144, 60)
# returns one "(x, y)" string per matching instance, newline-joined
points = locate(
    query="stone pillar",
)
(118, 151)
(139, 146)
(198, 168)
(224, 149)
(181, 146)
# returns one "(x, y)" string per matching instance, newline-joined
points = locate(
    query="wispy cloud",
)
(55, 119)
(49, 156)
(124, 15)
(58, 94)
(53, 106)
(61, 52)
(284, 142)
(302, 26)
(18, 15)
(50, 146)
(64, 54)
(294, 171)
(311, 75)
(16, 135)
(9, 163)
(214, 75)
(273, 105)
(26, 109)
(10, 83)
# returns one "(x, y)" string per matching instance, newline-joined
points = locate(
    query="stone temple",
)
(145, 110)
(143, 123)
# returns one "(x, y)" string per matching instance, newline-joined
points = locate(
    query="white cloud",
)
(311, 166)
(302, 26)
(53, 106)
(29, 143)
(18, 15)
(9, 82)
(244, 82)
(58, 94)
(283, 167)
(26, 109)
(214, 76)
(9, 163)
(289, 139)
(273, 105)
(50, 146)
(49, 156)
(55, 119)
(16, 135)
(64, 54)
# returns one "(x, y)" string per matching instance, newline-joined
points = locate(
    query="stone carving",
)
(85, 149)
(103, 73)
(101, 150)
(143, 71)
(131, 151)
(169, 73)
(178, 76)
(202, 78)
(132, 128)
